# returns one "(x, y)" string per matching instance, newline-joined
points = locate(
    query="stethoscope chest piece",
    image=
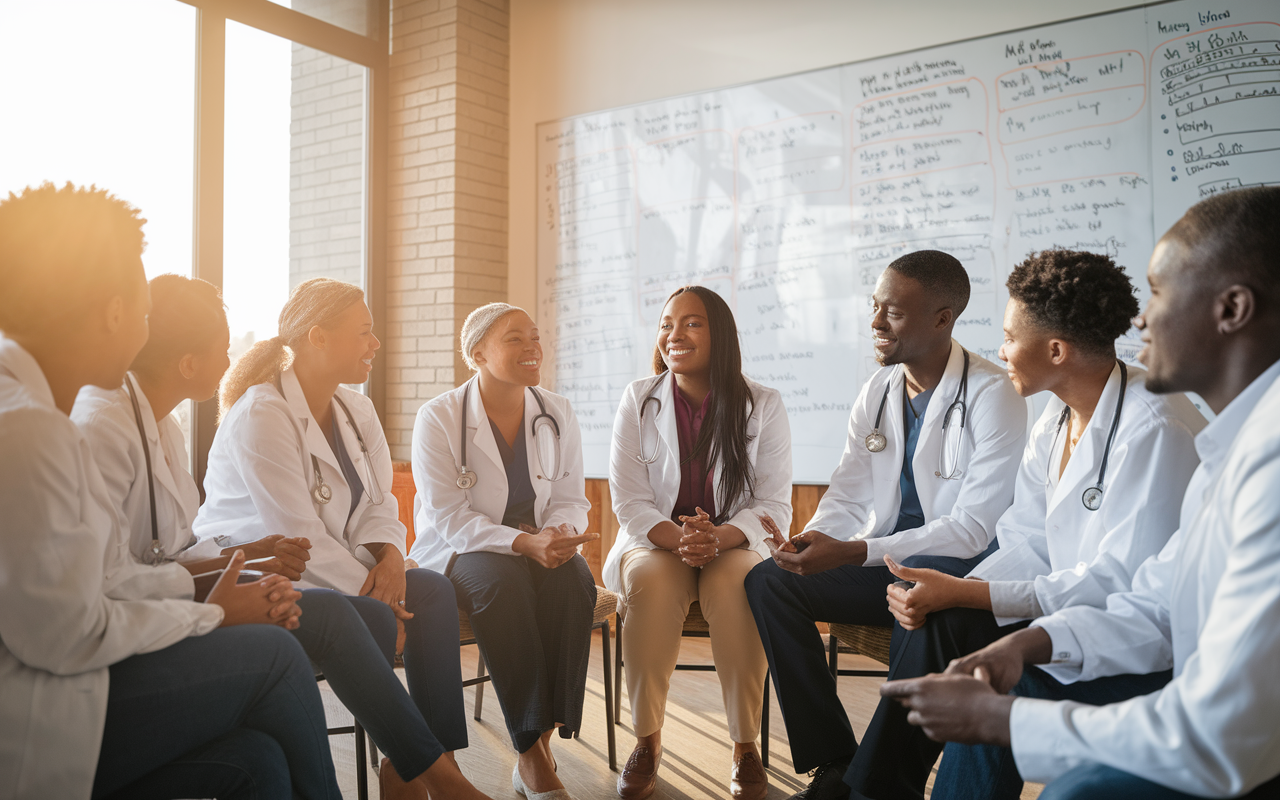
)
(1092, 498)
(155, 554)
(876, 442)
(466, 479)
(322, 493)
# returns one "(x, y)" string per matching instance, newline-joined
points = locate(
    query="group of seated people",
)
(1091, 600)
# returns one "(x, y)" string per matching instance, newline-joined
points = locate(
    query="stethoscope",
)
(543, 421)
(644, 406)
(155, 554)
(1092, 496)
(322, 494)
(876, 441)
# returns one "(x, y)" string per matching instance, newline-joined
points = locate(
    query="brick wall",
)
(447, 193)
(327, 158)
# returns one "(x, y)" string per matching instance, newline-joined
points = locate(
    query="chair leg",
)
(480, 667)
(764, 725)
(617, 670)
(362, 777)
(833, 656)
(609, 701)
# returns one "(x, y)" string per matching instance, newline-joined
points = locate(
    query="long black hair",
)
(723, 436)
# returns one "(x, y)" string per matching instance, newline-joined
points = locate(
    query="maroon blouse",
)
(696, 490)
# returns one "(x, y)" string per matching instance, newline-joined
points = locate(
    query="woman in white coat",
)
(140, 452)
(1097, 493)
(500, 509)
(700, 453)
(107, 695)
(297, 453)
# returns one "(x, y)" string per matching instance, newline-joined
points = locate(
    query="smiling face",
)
(906, 323)
(511, 351)
(1027, 350)
(349, 344)
(1177, 325)
(684, 336)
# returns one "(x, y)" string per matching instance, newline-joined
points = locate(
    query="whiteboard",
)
(789, 196)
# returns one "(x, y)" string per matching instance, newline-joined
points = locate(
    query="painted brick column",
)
(447, 193)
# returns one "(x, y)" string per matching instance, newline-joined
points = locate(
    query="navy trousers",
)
(1098, 782)
(533, 626)
(352, 641)
(987, 771)
(786, 606)
(234, 714)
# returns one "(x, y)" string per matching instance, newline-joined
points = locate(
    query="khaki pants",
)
(658, 589)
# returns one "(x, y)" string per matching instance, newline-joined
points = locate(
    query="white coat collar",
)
(943, 395)
(1082, 469)
(1215, 439)
(478, 421)
(317, 442)
(480, 433)
(23, 366)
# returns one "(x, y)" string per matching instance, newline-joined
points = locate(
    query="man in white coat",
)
(1097, 493)
(929, 465)
(1208, 604)
(100, 695)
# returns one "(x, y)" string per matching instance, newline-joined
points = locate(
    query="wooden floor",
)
(695, 764)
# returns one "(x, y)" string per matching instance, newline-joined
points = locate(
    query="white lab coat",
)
(863, 499)
(106, 418)
(260, 478)
(449, 520)
(59, 629)
(1209, 606)
(644, 495)
(1056, 553)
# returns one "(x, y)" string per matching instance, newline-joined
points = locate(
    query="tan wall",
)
(578, 56)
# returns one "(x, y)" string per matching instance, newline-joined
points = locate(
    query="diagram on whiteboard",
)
(788, 197)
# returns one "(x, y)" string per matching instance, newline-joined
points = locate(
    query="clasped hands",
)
(699, 541)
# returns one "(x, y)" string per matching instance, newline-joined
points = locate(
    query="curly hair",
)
(63, 250)
(1083, 298)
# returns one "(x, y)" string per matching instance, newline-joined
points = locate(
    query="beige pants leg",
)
(735, 641)
(658, 589)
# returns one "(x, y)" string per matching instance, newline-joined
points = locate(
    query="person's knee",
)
(1086, 782)
(427, 589)
(762, 582)
(253, 762)
(498, 584)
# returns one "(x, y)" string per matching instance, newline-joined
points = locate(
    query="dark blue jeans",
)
(352, 641)
(233, 714)
(1098, 782)
(987, 771)
(786, 606)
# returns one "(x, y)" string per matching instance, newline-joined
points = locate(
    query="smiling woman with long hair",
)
(700, 452)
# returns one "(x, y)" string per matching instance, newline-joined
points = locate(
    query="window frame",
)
(370, 52)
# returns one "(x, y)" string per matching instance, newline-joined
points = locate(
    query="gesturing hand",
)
(1003, 661)
(776, 540)
(269, 601)
(551, 546)
(812, 552)
(954, 708)
(699, 542)
(933, 591)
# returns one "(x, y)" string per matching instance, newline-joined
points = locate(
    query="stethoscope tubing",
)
(875, 441)
(467, 478)
(1092, 496)
(322, 494)
(156, 554)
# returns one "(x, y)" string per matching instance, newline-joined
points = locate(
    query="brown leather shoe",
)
(747, 779)
(640, 775)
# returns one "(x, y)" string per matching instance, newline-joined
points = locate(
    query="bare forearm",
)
(730, 536)
(666, 535)
(203, 565)
(972, 594)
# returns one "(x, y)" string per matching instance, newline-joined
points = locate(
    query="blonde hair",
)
(478, 325)
(318, 301)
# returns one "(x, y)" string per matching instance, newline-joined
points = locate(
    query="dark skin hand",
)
(954, 708)
(811, 552)
(1003, 660)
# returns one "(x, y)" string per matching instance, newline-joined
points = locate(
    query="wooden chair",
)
(695, 626)
(868, 640)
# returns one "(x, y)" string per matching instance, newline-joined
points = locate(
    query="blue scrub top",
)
(910, 514)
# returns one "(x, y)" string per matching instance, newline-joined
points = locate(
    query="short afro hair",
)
(62, 250)
(940, 273)
(1082, 298)
(1236, 239)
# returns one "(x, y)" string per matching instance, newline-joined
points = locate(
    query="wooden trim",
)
(298, 27)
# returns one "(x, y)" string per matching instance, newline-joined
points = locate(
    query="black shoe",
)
(827, 783)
